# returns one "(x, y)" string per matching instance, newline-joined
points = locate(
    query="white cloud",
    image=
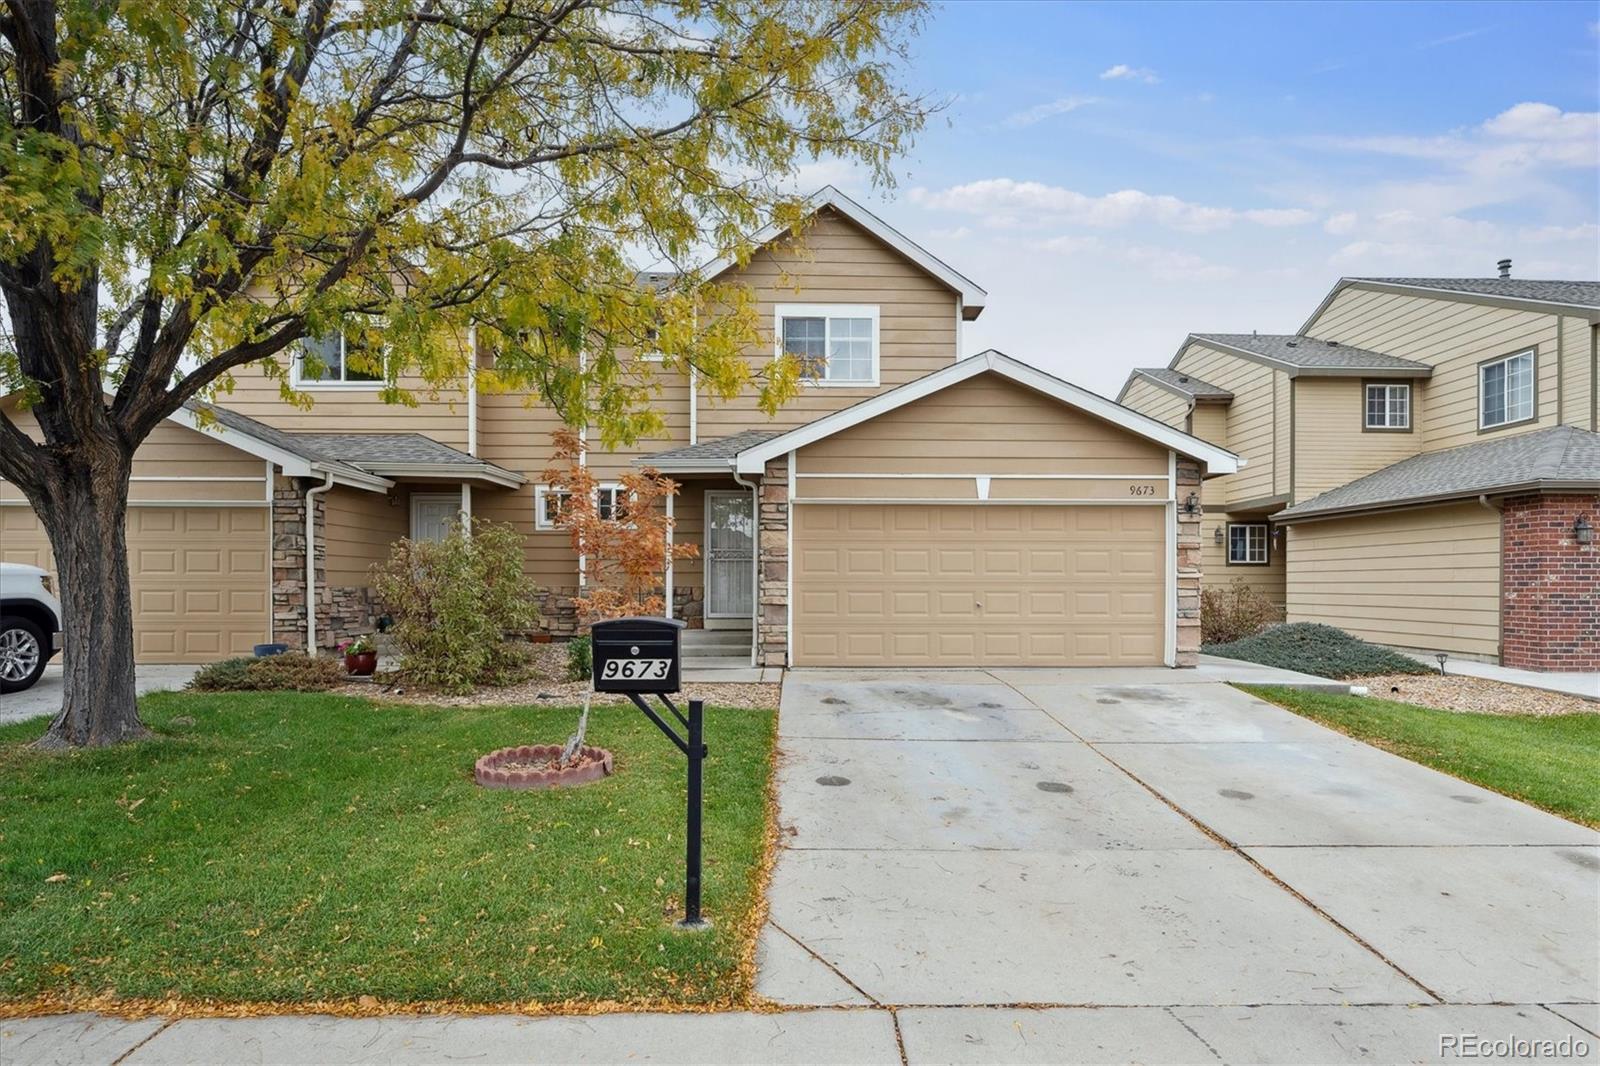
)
(1006, 203)
(1040, 112)
(1123, 72)
(1521, 138)
(1165, 264)
(1343, 222)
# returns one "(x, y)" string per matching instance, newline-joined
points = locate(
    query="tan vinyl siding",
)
(1577, 374)
(1217, 573)
(359, 528)
(440, 414)
(1425, 578)
(840, 263)
(1453, 337)
(1250, 417)
(1209, 422)
(1330, 447)
(984, 425)
(1158, 403)
(175, 464)
(1282, 433)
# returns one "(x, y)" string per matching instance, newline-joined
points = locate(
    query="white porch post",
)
(466, 508)
(668, 611)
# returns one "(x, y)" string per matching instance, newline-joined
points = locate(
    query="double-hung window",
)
(1388, 406)
(837, 344)
(549, 504)
(1247, 544)
(610, 502)
(347, 357)
(1505, 390)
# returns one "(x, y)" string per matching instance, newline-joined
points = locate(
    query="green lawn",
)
(1551, 762)
(293, 847)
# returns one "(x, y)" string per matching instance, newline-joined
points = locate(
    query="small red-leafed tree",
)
(623, 541)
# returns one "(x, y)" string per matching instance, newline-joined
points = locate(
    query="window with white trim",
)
(1388, 405)
(549, 504)
(1247, 544)
(1505, 390)
(345, 358)
(837, 344)
(609, 502)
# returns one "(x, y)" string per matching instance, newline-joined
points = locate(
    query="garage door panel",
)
(198, 577)
(956, 586)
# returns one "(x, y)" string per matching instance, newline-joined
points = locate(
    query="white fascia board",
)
(1549, 307)
(1217, 460)
(973, 297)
(479, 471)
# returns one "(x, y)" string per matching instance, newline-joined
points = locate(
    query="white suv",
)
(30, 625)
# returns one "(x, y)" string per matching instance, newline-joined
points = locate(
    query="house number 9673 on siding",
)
(1141, 490)
(635, 669)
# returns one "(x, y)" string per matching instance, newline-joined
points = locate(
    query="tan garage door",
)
(199, 577)
(912, 585)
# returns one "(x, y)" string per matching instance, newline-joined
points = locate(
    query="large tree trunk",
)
(86, 517)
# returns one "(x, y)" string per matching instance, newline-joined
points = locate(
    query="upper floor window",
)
(1388, 406)
(1505, 390)
(344, 358)
(549, 505)
(1247, 544)
(837, 344)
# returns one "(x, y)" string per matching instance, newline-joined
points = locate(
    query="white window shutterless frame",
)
(729, 555)
(837, 343)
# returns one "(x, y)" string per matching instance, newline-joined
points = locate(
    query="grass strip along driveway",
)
(1550, 761)
(295, 848)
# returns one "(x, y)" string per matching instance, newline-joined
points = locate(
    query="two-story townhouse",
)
(910, 508)
(1423, 467)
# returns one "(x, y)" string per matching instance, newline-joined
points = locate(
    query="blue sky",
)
(1120, 175)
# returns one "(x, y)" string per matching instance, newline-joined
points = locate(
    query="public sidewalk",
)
(1583, 683)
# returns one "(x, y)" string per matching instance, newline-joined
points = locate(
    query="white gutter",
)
(311, 561)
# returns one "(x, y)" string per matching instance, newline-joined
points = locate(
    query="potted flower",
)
(360, 656)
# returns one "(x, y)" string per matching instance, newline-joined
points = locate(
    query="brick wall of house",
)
(772, 591)
(1550, 584)
(1189, 566)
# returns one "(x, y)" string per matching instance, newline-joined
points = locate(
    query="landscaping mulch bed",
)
(1475, 694)
(549, 686)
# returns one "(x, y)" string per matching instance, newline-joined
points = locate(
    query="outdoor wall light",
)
(1216, 535)
(1582, 531)
(1191, 503)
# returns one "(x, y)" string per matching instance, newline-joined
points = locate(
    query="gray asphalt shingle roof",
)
(1560, 455)
(1185, 383)
(1578, 293)
(1310, 353)
(723, 448)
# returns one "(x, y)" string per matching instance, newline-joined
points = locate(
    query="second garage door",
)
(199, 574)
(937, 585)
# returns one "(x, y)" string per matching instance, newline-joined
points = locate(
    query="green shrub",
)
(580, 658)
(1317, 649)
(1235, 612)
(275, 673)
(454, 602)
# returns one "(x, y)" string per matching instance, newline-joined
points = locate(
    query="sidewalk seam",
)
(166, 1024)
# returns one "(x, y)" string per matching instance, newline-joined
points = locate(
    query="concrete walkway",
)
(1072, 866)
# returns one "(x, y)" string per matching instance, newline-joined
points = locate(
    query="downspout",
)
(755, 562)
(311, 561)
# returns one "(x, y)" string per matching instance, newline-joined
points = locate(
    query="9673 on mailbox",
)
(636, 655)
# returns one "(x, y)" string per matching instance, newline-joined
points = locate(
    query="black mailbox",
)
(636, 654)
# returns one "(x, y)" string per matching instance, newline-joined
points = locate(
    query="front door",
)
(730, 555)
(432, 513)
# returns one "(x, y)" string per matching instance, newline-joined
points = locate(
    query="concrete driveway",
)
(45, 697)
(1237, 881)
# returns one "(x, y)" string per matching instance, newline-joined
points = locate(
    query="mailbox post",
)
(639, 657)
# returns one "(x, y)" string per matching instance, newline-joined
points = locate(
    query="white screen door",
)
(432, 514)
(730, 555)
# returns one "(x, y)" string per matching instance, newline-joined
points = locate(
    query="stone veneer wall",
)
(772, 586)
(1550, 584)
(342, 612)
(1189, 566)
(558, 614)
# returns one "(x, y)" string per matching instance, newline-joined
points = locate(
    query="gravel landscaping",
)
(1475, 694)
(548, 686)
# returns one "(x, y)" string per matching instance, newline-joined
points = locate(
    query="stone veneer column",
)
(772, 589)
(1189, 566)
(1550, 584)
(289, 561)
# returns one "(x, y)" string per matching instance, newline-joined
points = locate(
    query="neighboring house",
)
(947, 511)
(1423, 467)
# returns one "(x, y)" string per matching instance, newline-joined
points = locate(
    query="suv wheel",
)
(22, 654)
